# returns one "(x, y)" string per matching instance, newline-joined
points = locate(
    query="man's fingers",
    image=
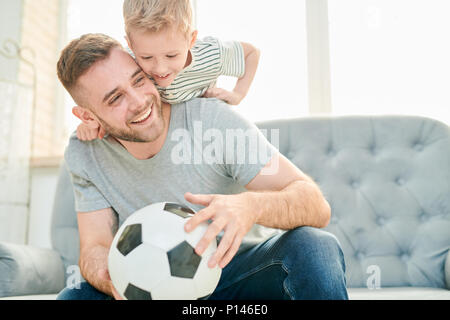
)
(201, 199)
(201, 216)
(116, 295)
(231, 251)
(224, 246)
(104, 275)
(211, 233)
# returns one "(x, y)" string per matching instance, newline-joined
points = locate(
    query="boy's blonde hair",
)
(156, 15)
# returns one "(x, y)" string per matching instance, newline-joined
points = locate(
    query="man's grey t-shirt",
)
(209, 149)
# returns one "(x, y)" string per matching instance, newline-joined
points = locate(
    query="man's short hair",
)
(156, 15)
(80, 55)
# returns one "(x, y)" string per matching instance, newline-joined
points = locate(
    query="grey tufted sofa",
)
(387, 179)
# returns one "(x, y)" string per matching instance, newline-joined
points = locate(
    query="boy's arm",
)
(251, 56)
(243, 84)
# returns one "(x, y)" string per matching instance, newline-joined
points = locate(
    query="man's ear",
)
(86, 116)
(193, 38)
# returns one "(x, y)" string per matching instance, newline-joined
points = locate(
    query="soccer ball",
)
(153, 258)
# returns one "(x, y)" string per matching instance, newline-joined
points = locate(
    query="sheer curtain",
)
(390, 56)
(16, 105)
(278, 29)
(387, 56)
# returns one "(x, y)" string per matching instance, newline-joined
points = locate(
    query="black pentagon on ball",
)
(134, 293)
(180, 210)
(130, 239)
(183, 261)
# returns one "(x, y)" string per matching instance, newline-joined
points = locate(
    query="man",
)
(138, 164)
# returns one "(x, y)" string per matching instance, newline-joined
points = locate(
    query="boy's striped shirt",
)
(211, 58)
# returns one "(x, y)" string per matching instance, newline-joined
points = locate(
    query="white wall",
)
(15, 121)
(35, 25)
(13, 174)
(10, 28)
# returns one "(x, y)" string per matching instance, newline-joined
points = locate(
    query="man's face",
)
(123, 99)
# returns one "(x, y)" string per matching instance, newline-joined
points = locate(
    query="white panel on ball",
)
(117, 269)
(196, 235)
(157, 220)
(153, 260)
(174, 288)
(206, 281)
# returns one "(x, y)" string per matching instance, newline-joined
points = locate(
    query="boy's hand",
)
(86, 133)
(230, 97)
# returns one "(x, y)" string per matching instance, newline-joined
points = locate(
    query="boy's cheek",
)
(144, 66)
(146, 69)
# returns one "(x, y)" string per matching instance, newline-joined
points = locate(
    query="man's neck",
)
(147, 150)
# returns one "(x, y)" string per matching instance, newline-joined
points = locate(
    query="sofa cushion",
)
(26, 270)
(64, 234)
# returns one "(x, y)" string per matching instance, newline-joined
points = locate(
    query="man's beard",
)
(131, 135)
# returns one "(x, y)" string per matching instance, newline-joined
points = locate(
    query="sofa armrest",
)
(27, 270)
(447, 270)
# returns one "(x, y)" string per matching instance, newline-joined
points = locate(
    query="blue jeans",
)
(303, 263)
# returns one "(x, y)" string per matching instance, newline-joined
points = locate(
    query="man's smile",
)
(144, 117)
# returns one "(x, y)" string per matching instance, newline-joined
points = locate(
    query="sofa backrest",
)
(387, 179)
(64, 230)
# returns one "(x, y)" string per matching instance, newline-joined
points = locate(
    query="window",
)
(390, 57)
(386, 57)
(278, 29)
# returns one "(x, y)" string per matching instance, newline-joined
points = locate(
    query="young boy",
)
(160, 34)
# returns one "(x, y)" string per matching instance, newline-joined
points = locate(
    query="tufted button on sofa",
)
(386, 178)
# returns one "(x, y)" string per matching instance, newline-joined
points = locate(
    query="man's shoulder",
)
(213, 112)
(206, 108)
(202, 104)
(77, 153)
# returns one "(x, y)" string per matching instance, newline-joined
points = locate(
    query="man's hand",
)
(235, 214)
(230, 97)
(104, 275)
